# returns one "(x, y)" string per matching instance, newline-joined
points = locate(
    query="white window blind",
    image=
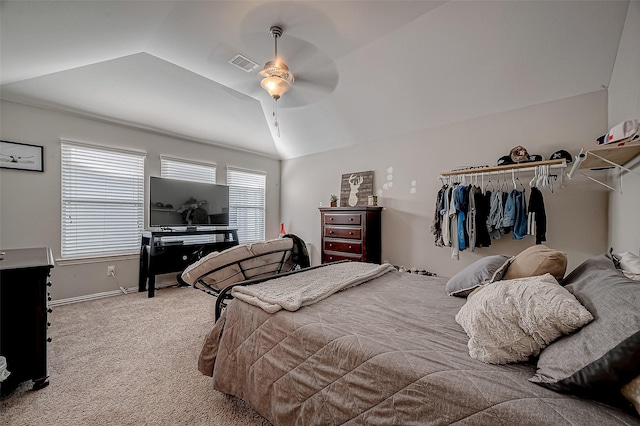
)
(102, 201)
(173, 168)
(186, 170)
(246, 203)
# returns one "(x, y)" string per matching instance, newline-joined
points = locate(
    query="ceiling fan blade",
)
(315, 73)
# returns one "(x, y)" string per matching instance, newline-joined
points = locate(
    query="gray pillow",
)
(482, 271)
(604, 355)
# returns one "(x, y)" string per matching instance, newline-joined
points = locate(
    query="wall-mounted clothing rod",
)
(521, 167)
(540, 168)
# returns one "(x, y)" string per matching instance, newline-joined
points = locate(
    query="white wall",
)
(30, 208)
(624, 104)
(577, 214)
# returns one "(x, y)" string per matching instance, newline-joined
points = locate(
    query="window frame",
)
(85, 201)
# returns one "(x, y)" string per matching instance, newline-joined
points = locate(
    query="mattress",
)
(388, 351)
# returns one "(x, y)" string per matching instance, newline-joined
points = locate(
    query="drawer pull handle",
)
(350, 247)
(330, 218)
(330, 245)
(331, 232)
(351, 219)
(351, 233)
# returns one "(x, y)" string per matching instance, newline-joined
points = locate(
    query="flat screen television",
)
(179, 203)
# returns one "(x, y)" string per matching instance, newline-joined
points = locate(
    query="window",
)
(187, 170)
(246, 203)
(102, 201)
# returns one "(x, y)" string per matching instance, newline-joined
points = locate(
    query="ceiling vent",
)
(243, 63)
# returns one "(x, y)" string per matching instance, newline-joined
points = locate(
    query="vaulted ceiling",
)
(364, 69)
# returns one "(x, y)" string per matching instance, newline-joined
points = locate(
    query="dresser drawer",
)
(332, 257)
(350, 233)
(346, 247)
(342, 219)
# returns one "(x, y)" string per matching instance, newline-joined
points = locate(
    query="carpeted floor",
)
(128, 360)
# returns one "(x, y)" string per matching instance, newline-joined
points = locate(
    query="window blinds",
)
(174, 168)
(187, 170)
(102, 201)
(247, 203)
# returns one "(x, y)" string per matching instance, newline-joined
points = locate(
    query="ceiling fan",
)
(277, 79)
(316, 75)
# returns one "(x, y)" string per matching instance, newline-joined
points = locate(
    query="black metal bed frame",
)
(284, 265)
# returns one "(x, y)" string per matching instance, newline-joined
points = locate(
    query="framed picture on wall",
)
(355, 188)
(21, 156)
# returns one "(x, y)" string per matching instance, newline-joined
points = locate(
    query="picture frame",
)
(21, 156)
(355, 188)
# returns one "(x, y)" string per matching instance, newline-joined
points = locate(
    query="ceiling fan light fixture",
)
(277, 77)
(275, 86)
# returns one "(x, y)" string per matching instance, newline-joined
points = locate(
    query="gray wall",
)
(624, 104)
(30, 211)
(577, 214)
(408, 164)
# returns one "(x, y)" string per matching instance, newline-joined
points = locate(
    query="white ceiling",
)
(364, 70)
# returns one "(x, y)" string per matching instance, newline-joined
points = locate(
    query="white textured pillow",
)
(630, 265)
(629, 262)
(508, 321)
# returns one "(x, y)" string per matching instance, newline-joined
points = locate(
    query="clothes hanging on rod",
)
(482, 206)
(537, 217)
(469, 217)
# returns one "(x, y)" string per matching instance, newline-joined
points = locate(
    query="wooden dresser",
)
(24, 278)
(351, 233)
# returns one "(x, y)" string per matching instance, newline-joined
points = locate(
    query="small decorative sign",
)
(355, 189)
(21, 156)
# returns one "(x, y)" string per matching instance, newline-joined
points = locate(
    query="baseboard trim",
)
(94, 296)
(123, 290)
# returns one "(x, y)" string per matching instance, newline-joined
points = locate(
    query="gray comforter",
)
(387, 352)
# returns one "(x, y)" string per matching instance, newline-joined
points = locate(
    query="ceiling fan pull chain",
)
(275, 115)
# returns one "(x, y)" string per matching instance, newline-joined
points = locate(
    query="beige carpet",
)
(128, 360)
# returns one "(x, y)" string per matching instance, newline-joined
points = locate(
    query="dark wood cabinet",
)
(351, 233)
(24, 279)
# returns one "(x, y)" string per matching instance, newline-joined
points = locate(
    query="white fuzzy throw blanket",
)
(305, 288)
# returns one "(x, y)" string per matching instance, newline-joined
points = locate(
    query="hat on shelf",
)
(505, 160)
(558, 155)
(519, 154)
(621, 132)
(536, 157)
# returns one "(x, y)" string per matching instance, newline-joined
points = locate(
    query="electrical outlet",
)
(111, 270)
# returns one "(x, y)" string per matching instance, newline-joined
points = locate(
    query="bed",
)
(387, 351)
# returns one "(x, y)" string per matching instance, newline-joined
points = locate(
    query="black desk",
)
(158, 256)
